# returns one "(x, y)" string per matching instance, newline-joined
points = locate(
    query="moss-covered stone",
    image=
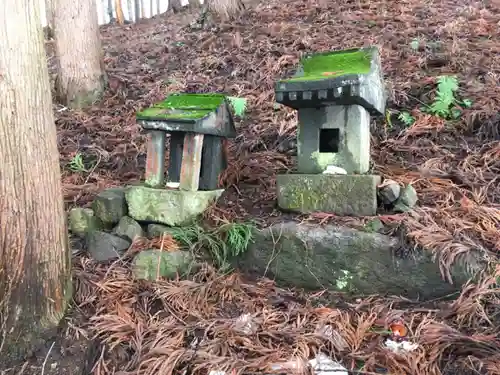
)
(351, 195)
(407, 199)
(128, 228)
(154, 264)
(158, 230)
(348, 260)
(83, 220)
(110, 206)
(168, 206)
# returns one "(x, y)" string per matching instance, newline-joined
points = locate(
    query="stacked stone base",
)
(343, 195)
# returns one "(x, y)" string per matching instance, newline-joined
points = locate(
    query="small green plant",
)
(466, 103)
(239, 105)
(222, 243)
(76, 164)
(445, 97)
(237, 237)
(388, 120)
(415, 44)
(407, 119)
(446, 105)
(374, 225)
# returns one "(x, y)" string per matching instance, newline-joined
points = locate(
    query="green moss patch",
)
(333, 64)
(183, 106)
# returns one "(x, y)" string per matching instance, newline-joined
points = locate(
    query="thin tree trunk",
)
(194, 4)
(174, 5)
(158, 8)
(119, 12)
(49, 15)
(130, 11)
(81, 77)
(226, 9)
(110, 11)
(137, 10)
(35, 274)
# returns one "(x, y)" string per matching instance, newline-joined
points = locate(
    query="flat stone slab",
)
(347, 260)
(344, 195)
(168, 206)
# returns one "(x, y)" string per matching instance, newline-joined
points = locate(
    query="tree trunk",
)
(194, 4)
(226, 9)
(137, 11)
(35, 278)
(174, 5)
(81, 77)
(120, 18)
(49, 16)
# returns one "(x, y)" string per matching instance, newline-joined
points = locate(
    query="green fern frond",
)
(239, 105)
(447, 84)
(406, 118)
(445, 97)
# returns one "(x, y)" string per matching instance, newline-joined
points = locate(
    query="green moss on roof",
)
(183, 106)
(334, 64)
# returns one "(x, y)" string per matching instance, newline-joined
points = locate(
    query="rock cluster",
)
(120, 215)
(398, 199)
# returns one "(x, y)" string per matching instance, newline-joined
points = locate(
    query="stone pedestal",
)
(343, 195)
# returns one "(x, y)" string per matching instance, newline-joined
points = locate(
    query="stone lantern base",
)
(343, 195)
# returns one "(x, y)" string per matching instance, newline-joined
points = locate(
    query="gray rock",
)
(165, 206)
(110, 205)
(103, 246)
(407, 199)
(157, 230)
(155, 264)
(347, 260)
(389, 192)
(83, 220)
(129, 228)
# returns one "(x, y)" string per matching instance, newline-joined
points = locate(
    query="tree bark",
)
(137, 10)
(174, 5)
(35, 274)
(49, 16)
(194, 4)
(226, 9)
(119, 12)
(81, 78)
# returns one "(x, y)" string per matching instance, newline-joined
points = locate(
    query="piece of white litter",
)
(403, 346)
(215, 372)
(332, 169)
(324, 365)
(329, 333)
(245, 324)
(173, 185)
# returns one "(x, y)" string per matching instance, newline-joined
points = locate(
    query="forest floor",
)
(453, 164)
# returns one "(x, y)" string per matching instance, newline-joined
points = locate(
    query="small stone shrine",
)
(335, 93)
(198, 125)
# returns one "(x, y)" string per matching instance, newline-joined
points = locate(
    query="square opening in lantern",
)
(329, 140)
